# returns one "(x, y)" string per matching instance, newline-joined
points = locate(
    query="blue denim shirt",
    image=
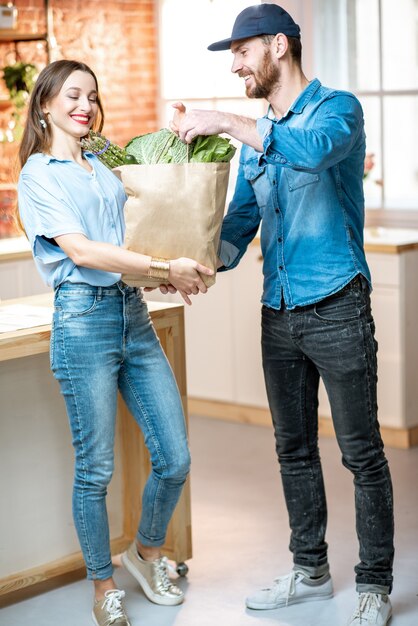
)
(306, 189)
(59, 197)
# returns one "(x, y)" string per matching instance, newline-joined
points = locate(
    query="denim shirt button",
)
(280, 267)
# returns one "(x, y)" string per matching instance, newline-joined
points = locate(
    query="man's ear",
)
(280, 45)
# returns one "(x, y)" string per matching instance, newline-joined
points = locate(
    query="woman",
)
(71, 207)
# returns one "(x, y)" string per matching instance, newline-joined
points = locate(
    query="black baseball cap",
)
(260, 19)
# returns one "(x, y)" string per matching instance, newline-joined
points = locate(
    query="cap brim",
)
(225, 44)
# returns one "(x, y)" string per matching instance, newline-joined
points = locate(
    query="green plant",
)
(19, 79)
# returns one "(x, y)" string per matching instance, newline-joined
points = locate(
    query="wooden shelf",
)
(12, 35)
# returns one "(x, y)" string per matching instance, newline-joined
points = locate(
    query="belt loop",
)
(99, 293)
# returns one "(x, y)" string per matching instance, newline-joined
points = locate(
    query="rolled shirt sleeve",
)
(45, 213)
(323, 142)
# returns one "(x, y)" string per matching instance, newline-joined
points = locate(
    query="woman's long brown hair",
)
(48, 85)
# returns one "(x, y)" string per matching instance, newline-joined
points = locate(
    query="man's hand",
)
(188, 126)
(197, 122)
(179, 113)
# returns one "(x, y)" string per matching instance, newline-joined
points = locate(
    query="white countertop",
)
(398, 238)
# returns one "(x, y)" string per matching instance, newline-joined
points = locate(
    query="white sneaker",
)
(294, 588)
(373, 609)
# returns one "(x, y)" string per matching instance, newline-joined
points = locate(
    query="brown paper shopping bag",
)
(174, 210)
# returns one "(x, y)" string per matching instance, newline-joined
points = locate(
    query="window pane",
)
(372, 182)
(400, 29)
(346, 43)
(185, 62)
(188, 69)
(401, 155)
(363, 44)
(330, 42)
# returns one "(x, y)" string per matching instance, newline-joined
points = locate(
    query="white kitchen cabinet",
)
(392, 255)
(210, 351)
(20, 278)
(247, 285)
(223, 336)
(18, 274)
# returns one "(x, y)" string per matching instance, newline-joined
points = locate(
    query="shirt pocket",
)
(296, 180)
(253, 172)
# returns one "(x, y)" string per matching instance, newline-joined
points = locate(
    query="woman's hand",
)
(163, 288)
(185, 276)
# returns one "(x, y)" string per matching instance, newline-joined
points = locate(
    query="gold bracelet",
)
(159, 268)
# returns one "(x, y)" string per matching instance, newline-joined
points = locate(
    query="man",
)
(300, 175)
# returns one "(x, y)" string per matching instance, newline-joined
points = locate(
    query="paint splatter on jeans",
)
(332, 340)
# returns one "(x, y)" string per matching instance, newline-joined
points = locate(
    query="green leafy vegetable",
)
(162, 146)
(107, 152)
(165, 147)
(211, 148)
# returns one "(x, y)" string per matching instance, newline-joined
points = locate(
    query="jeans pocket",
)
(76, 304)
(341, 307)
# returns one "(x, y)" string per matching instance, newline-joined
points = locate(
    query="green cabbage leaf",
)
(164, 146)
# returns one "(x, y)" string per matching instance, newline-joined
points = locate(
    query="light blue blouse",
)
(59, 197)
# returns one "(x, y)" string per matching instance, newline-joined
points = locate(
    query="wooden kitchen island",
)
(38, 543)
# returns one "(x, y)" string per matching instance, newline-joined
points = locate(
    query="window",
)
(190, 72)
(370, 47)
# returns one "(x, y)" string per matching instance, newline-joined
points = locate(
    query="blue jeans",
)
(103, 341)
(334, 340)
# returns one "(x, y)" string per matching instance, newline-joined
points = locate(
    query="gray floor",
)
(240, 539)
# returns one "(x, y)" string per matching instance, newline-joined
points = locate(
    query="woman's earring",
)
(42, 123)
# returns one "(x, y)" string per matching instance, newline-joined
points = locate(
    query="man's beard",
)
(266, 80)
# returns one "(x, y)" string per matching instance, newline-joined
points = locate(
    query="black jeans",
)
(334, 340)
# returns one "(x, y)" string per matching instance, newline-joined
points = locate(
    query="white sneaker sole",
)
(151, 595)
(263, 606)
(388, 619)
